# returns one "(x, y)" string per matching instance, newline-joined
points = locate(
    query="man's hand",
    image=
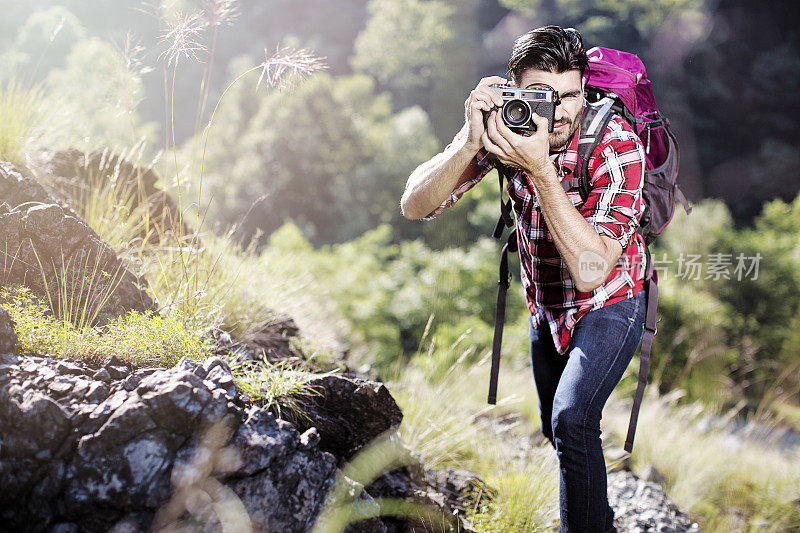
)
(482, 98)
(531, 153)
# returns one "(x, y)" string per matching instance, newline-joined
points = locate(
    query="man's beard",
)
(559, 140)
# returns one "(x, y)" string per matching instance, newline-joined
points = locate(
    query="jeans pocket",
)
(625, 311)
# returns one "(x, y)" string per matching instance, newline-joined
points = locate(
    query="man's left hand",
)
(530, 153)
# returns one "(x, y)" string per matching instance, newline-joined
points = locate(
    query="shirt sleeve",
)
(614, 206)
(478, 168)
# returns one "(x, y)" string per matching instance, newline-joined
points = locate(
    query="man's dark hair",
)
(550, 48)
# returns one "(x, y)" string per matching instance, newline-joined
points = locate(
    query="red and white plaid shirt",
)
(614, 207)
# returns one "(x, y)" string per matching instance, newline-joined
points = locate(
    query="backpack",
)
(617, 84)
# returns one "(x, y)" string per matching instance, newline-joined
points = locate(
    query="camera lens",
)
(516, 113)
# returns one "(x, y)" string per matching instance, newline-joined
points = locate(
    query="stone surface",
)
(643, 506)
(48, 247)
(348, 412)
(83, 448)
(70, 172)
(8, 335)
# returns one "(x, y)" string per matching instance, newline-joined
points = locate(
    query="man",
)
(582, 263)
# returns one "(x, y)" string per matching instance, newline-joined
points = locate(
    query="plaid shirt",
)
(614, 207)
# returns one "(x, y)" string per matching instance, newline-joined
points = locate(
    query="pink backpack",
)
(617, 84)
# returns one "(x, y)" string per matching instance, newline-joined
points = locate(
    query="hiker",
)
(582, 261)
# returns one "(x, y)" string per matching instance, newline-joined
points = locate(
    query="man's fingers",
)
(540, 121)
(494, 149)
(504, 131)
(491, 94)
(482, 105)
(489, 80)
(487, 95)
(484, 86)
(490, 146)
(485, 98)
(494, 134)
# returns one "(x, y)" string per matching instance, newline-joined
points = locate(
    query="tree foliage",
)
(329, 154)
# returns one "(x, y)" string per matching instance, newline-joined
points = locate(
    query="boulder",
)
(641, 505)
(49, 248)
(71, 173)
(99, 448)
(348, 412)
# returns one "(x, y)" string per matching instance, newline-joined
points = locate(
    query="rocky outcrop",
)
(642, 506)
(48, 247)
(93, 448)
(349, 412)
(74, 174)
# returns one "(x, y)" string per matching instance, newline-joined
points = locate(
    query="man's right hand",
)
(482, 98)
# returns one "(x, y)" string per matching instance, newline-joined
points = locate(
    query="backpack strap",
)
(594, 122)
(682, 199)
(504, 280)
(650, 329)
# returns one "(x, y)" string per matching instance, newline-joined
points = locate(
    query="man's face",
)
(569, 85)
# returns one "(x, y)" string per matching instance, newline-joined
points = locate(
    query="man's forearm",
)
(433, 181)
(572, 233)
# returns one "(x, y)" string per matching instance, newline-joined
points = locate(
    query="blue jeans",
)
(573, 389)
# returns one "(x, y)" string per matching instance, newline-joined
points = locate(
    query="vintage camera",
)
(520, 104)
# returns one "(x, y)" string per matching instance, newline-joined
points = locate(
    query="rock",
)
(102, 375)
(460, 487)
(66, 367)
(641, 505)
(219, 376)
(295, 469)
(70, 172)
(55, 248)
(348, 412)
(165, 453)
(8, 335)
(273, 339)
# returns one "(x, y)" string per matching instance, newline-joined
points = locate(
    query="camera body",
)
(520, 104)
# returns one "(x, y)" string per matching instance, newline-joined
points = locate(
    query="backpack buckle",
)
(655, 328)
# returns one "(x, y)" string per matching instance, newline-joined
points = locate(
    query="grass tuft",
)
(136, 338)
(20, 110)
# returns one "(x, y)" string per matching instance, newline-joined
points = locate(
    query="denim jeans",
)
(572, 389)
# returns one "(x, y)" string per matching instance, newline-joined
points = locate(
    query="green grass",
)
(440, 422)
(723, 484)
(20, 111)
(277, 387)
(136, 338)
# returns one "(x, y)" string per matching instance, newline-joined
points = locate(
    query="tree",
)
(42, 43)
(329, 154)
(425, 53)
